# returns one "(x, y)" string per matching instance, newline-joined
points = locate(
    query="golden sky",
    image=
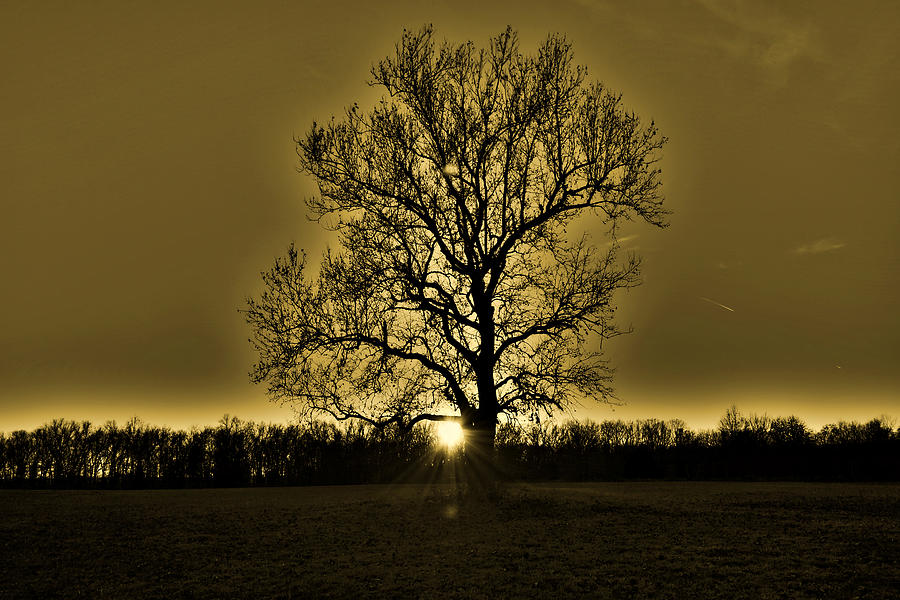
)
(148, 175)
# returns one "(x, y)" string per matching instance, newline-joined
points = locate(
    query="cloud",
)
(760, 33)
(820, 246)
(724, 264)
(719, 304)
(756, 30)
(621, 241)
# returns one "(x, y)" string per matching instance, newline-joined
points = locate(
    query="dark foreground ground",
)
(606, 540)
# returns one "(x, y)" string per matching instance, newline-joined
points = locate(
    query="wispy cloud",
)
(820, 246)
(622, 242)
(761, 33)
(755, 32)
(719, 304)
(725, 264)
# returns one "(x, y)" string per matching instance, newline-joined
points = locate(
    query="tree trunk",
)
(480, 432)
(480, 435)
(481, 423)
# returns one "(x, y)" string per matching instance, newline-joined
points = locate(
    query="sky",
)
(148, 174)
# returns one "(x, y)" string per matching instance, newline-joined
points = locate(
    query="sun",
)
(449, 433)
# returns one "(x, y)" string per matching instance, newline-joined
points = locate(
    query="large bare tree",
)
(456, 288)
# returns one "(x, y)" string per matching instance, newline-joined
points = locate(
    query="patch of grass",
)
(601, 540)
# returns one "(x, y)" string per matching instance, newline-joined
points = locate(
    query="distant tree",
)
(457, 288)
(789, 431)
(731, 423)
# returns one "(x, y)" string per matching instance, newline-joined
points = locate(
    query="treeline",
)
(67, 454)
(748, 447)
(234, 453)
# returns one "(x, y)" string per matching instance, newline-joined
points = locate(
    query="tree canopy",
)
(457, 289)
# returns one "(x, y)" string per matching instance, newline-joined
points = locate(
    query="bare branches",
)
(456, 284)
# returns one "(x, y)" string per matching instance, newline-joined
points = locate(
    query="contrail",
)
(719, 304)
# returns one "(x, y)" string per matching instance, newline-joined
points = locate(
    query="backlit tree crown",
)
(456, 286)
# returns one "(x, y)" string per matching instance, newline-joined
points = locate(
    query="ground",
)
(599, 540)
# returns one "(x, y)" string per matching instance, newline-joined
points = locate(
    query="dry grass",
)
(609, 540)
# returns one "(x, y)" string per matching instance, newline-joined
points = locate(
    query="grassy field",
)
(606, 540)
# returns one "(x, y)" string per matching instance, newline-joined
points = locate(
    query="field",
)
(601, 540)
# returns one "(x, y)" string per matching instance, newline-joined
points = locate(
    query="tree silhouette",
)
(456, 288)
